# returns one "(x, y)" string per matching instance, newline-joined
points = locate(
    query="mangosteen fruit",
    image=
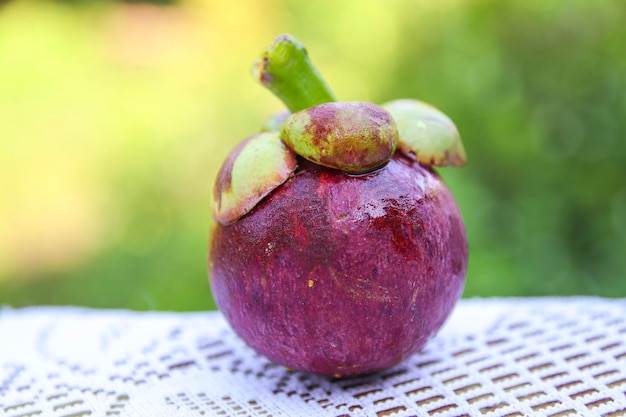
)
(337, 249)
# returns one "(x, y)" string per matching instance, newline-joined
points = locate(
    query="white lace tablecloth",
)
(495, 357)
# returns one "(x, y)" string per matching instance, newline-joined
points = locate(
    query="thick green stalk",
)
(286, 70)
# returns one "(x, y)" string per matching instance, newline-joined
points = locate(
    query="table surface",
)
(495, 357)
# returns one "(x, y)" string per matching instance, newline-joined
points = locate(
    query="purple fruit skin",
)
(342, 275)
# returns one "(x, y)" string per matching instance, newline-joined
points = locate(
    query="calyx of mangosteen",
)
(251, 171)
(426, 133)
(353, 137)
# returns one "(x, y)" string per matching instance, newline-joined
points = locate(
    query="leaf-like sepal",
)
(251, 171)
(426, 134)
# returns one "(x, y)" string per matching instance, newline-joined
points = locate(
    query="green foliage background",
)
(114, 119)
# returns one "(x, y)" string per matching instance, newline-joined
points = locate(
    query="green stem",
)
(286, 70)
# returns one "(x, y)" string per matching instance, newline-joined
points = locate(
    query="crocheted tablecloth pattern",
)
(495, 357)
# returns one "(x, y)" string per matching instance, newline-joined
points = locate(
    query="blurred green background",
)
(114, 118)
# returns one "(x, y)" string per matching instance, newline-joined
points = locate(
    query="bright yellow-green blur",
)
(115, 118)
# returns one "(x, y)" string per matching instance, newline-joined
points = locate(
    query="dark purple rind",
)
(342, 275)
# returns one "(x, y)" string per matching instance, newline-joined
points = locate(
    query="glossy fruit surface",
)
(342, 275)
